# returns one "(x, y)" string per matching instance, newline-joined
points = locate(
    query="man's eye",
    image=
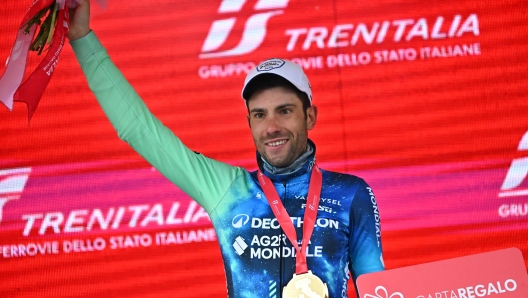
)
(286, 111)
(258, 115)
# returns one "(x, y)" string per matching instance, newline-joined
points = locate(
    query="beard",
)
(293, 148)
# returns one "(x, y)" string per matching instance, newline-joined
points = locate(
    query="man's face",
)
(279, 125)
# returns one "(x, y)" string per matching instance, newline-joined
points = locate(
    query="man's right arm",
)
(204, 179)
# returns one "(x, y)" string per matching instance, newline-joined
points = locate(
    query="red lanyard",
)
(310, 214)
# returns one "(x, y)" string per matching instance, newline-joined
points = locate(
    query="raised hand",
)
(79, 20)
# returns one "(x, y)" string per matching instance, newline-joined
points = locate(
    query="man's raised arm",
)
(202, 178)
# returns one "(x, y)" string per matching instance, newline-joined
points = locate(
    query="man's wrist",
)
(86, 46)
(78, 35)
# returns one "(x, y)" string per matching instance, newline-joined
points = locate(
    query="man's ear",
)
(311, 117)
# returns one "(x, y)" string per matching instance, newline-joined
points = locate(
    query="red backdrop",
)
(426, 101)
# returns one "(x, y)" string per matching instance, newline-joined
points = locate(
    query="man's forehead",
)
(273, 98)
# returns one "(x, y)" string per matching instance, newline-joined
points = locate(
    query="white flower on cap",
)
(285, 68)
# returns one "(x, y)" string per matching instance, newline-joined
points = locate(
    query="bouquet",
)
(51, 18)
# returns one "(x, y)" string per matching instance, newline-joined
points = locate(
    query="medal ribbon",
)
(310, 214)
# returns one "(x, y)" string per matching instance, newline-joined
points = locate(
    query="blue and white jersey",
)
(259, 259)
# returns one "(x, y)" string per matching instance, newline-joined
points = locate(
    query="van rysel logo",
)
(517, 173)
(254, 29)
(12, 184)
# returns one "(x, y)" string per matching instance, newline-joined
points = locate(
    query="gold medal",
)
(305, 285)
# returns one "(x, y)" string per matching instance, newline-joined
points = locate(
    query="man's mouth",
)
(276, 143)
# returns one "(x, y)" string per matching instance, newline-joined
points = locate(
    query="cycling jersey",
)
(258, 259)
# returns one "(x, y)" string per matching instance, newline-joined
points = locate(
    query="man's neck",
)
(294, 166)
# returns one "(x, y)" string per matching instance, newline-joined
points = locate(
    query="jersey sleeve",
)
(365, 250)
(202, 178)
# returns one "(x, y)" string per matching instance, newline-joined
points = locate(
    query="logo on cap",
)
(270, 64)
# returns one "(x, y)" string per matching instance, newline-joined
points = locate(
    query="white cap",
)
(285, 68)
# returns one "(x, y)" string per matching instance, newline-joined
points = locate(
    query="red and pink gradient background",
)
(434, 137)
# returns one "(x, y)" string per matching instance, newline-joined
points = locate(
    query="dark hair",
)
(269, 80)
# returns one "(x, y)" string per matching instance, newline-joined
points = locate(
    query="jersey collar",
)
(299, 167)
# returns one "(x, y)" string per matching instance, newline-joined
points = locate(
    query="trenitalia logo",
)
(512, 185)
(12, 184)
(254, 29)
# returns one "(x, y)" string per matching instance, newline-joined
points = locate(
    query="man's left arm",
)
(365, 250)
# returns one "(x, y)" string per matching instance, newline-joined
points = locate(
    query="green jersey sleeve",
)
(204, 179)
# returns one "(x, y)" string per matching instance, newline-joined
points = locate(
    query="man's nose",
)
(272, 125)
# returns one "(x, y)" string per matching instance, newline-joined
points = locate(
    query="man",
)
(261, 218)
